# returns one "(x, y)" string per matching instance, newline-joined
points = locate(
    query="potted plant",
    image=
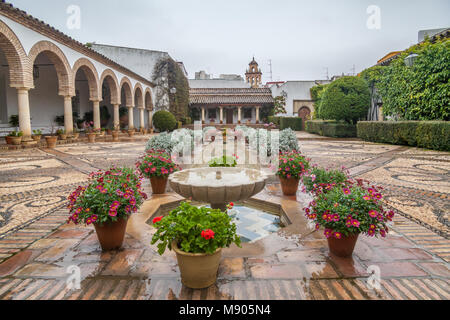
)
(131, 132)
(62, 134)
(76, 133)
(109, 131)
(347, 212)
(15, 138)
(115, 134)
(292, 166)
(37, 135)
(107, 202)
(319, 180)
(90, 132)
(51, 140)
(198, 246)
(157, 166)
(224, 162)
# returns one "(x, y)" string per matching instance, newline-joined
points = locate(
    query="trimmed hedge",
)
(164, 121)
(433, 135)
(274, 120)
(331, 128)
(294, 123)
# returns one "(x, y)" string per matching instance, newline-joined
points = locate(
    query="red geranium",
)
(157, 219)
(208, 234)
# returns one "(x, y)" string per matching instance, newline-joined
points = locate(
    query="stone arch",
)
(138, 96)
(19, 70)
(91, 74)
(111, 79)
(125, 84)
(62, 66)
(148, 100)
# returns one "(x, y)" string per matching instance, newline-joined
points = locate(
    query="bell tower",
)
(254, 74)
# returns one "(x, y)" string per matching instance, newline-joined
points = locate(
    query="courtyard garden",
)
(225, 214)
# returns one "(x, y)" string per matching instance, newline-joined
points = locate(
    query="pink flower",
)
(336, 218)
(347, 191)
(328, 233)
(337, 235)
(367, 198)
(356, 223)
(313, 178)
(373, 213)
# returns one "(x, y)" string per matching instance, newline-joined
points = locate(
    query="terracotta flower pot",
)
(36, 138)
(131, 133)
(51, 141)
(111, 234)
(91, 137)
(63, 136)
(198, 271)
(343, 247)
(289, 186)
(115, 135)
(159, 184)
(108, 132)
(8, 140)
(16, 141)
(76, 136)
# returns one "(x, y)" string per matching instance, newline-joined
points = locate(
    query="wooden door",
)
(229, 116)
(305, 114)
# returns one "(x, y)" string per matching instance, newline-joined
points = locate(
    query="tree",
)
(316, 95)
(346, 99)
(168, 76)
(280, 105)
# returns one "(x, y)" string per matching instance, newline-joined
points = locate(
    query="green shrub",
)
(424, 134)
(294, 123)
(164, 121)
(274, 120)
(339, 130)
(346, 99)
(332, 129)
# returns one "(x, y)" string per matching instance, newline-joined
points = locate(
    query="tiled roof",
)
(231, 96)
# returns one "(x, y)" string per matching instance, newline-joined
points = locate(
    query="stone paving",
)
(36, 245)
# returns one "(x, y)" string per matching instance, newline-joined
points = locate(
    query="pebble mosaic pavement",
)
(36, 245)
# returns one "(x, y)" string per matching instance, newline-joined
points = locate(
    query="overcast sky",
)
(302, 38)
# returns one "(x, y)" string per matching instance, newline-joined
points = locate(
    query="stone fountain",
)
(218, 186)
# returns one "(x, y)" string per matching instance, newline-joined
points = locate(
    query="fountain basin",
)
(218, 186)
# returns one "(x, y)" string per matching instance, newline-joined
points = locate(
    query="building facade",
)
(45, 74)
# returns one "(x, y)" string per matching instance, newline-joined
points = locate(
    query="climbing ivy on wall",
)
(168, 75)
(420, 92)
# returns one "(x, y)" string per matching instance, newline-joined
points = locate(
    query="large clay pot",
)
(8, 140)
(16, 141)
(198, 271)
(91, 137)
(75, 136)
(289, 186)
(131, 133)
(51, 141)
(115, 135)
(159, 184)
(343, 247)
(111, 234)
(63, 136)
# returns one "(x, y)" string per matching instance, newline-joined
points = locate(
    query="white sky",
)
(301, 37)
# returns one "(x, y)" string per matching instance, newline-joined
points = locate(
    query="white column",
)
(203, 115)
(68, 115)
(96, 107)
(150, 120)
(116, 117)
(24, 113)
(221, 115)
(239, 115)
(130, 118)
(257, 115)
(141, 118)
